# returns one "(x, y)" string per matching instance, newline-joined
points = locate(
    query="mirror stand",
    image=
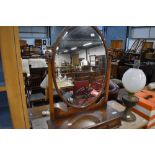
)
(97, 116)
(79, 66)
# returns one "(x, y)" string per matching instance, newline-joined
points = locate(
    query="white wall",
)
(92, 51)
(82, 54)
(96, 51)
(62, 58)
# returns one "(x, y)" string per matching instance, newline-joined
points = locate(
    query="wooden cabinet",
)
(116, 44)
(13, 79)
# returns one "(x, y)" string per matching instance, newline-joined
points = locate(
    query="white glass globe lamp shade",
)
(134, 80)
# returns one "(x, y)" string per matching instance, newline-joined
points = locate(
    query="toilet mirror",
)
(79, 66)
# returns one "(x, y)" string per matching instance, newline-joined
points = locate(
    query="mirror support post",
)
(50, 84)
(108, 75)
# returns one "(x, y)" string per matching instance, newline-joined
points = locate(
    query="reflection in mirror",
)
(80, 66)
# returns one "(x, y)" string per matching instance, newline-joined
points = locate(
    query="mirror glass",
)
(80, 66)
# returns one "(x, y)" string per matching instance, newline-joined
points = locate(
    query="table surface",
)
(38, 121)
(139, 123)
(64, 84)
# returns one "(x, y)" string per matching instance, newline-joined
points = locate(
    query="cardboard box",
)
(146, 106)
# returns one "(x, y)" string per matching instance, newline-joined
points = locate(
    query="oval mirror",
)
(80, 66)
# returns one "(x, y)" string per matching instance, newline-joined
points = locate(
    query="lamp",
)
(133, 80)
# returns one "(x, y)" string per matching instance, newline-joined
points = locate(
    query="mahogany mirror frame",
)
(57, 113)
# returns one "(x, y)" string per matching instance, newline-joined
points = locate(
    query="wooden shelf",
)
(2, 88)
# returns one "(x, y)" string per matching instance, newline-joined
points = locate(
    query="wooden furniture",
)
(133, 56)
(84, 107)
(118, 54)
(76, 73)
(12, 68)
(35, 92)
(23, 43)
(114, 70)
(147, 45)
(116, 48)
(137, 46)
(38, 121)
(116, 44)
(38, 42)
(148, 69)
(30, 52)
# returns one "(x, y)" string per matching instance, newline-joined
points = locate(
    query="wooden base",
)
(103, 118)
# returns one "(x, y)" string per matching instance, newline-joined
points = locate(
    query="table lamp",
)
(133, 80)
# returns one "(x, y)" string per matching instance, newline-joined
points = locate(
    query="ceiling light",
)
(92, 35)
(87, 44)
(73, 48)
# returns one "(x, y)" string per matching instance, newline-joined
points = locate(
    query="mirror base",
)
(96, 119)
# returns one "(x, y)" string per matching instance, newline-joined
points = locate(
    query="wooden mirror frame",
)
(56, 112)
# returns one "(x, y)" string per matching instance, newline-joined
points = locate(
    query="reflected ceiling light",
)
(65, 51)
(73, 48)
(65, 34)
(92, 35)
(57, 48)
(87, 44)
(100, 37)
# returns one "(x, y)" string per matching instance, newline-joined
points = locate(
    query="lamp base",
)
(128, 116)
(129, 101)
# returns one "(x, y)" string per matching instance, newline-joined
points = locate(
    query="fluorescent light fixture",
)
(74, 48)
(87, 44)
(92, 34)
(65, 51)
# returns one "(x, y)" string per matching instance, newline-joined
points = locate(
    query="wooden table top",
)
(65, 84)
(36, 117)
